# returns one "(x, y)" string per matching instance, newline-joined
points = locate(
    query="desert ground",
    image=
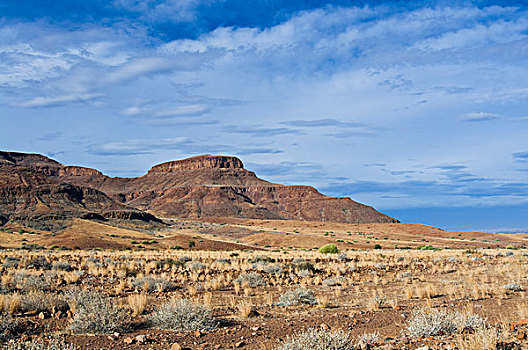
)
(261, 284)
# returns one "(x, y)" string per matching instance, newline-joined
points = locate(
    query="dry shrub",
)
(61, 265)
(153, 284)
(183, 315)
(8, 327)
(11, 262)
(53, 344)
(296, 297)
(40, 301)
(95, 313)
(368, 339)
(426, 322)
(251, 279)
(376, 303)
(246, 309)
(10, 303)
(27, 282)
(323, 301)
(482, 338)
(318, 339)
(138, 303)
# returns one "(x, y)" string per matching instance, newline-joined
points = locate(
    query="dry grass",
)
(138, 303)
(363, 285)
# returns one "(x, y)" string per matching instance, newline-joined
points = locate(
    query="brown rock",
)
(240, 344)
(128, 340)
(175, 346)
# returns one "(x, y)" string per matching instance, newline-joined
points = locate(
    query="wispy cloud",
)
(59, 100)
(260, 131)
(521, 156)
(50, 136)
(316, 123)
(171, 112)
(137, 147)
(479, 116)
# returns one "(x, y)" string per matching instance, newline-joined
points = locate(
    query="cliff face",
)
(206, 186)
(198, 162)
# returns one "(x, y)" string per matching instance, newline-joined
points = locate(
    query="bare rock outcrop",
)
(198, 162)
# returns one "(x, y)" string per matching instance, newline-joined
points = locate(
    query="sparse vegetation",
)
(296, 297)
(318, 339)
(440, 293)
(183, 315)
(95, 313)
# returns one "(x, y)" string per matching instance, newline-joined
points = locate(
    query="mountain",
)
(30, 193)
(197, 187)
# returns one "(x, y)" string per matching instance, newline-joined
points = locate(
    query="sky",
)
(418, 108)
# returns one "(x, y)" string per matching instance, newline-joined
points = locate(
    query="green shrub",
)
(377, 246)
(427, 247)
(329, 248)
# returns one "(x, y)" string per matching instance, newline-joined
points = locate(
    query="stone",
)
(142, 338)
(128, 340)
(175, 346)
(240, 344)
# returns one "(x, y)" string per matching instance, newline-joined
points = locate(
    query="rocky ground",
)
(386, 299)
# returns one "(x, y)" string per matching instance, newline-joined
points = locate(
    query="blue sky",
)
(417, 108)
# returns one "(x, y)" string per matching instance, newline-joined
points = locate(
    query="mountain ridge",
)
(202, 186)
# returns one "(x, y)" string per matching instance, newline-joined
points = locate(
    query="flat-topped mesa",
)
(77, 171)
(199, 162)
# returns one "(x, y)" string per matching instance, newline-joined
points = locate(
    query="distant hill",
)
(36, 188)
